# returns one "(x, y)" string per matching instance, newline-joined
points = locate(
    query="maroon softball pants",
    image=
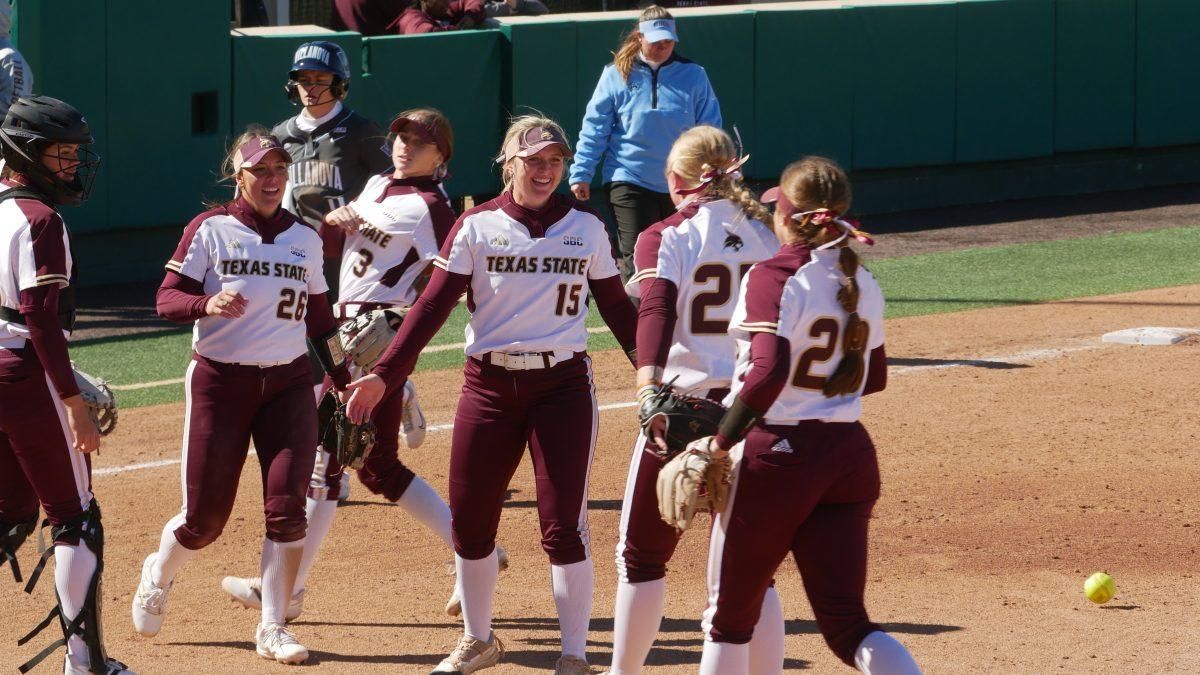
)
(553, 411)
(37, 460)
(809, 490)
(227, 406)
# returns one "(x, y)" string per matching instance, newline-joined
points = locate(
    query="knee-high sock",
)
(424, 503)
(881, 654)
(477, 588)
(172, 555)
(320, 513)
(723, 658)
(766, 646)
(73, 570)
(636, 619)
(573, 585)
(280, 563)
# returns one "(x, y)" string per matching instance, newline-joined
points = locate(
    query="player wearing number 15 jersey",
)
(809, 325)
(689, 269)
(527, 260)
(249, 275)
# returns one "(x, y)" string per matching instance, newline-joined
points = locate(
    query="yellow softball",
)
(1099, 588)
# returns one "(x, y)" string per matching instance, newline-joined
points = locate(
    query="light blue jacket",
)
(630, 126)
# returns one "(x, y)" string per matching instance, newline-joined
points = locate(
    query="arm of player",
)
(420, 325)
(319, 324)
(655, 327)
(876, 372)
(770, 361)
(708, 109)
(617, 311)
(594, 132)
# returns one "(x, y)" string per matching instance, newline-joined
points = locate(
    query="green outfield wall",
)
(928, 103)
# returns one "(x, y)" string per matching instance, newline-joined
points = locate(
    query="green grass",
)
(925, 284)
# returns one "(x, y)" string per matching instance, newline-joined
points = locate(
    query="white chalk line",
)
(432, 349)
(1032, 355)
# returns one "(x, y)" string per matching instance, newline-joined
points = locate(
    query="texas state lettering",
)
(375, 236)
(531, 264)
(263, 268)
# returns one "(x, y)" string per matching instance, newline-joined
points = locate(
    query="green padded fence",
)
(803, 98)
(1095, 47)
(904, 85)
(459, 74)
(1168, 72)
(1005, 80)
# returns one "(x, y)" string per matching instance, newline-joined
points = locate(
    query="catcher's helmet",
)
(37, 122)
(321, 56)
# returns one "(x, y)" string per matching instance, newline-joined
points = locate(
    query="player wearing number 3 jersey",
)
(527, 260)
(689, 268)
(249, 275)
(809, 325)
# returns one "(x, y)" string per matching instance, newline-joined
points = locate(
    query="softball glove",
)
(101, 402)
(366, 337)
(679, 418)
(693, 481)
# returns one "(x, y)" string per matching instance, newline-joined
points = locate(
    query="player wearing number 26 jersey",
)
(809, 323)
(527, 260)
(689, 269)
(249, 275)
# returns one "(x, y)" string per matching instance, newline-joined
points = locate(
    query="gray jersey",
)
(331, 164)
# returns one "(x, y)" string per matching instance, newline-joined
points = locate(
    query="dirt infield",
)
(1019, 455)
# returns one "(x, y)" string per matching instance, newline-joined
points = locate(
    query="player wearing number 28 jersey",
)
(809, 325)
(689, 269)
(249, 275)
(527, 260)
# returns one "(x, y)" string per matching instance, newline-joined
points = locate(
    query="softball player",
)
(385, 241)
(527, 260)
(249, 275)
(689, 269)
(809, 324)
(46, 430)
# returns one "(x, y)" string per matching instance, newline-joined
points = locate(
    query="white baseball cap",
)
(656, 30)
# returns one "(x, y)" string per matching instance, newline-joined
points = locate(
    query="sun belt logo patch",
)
(570, 240)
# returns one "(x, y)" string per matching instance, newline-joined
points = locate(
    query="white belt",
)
(527, 360)
(265, 364)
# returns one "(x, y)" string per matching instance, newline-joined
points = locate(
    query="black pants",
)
(635, 208)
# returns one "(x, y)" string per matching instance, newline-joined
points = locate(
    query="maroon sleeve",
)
(656, 322)
(175, 264)
(616, 310)
(318, 323)
(876, 372)
(46, 231)
(333, 241)
(770, 361)
(462, 9)
(442, 215)
(181, 299)
(420, 325)
(39, 307)
(415, 22)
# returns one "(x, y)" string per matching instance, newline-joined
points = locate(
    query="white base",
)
(1149, 336)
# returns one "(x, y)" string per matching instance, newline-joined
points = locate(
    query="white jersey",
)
(276, 277)
(796, 298)
(34, 251)
(407, 221)
(528, 289)
(705, 256)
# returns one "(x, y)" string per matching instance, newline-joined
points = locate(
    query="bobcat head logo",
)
(734, 242)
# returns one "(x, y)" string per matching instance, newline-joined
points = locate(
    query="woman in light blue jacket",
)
(645, 99)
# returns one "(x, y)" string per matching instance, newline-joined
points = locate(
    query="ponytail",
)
(848, 376)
